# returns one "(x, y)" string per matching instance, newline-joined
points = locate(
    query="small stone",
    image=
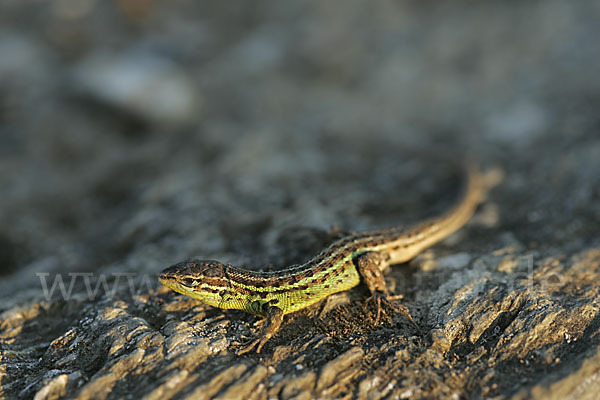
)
(147, 86)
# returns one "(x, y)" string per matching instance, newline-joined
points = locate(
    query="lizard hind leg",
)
(369, 268)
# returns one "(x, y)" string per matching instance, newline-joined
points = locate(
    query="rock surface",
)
(313, 116)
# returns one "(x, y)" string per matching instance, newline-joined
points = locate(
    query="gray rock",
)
(145, 85)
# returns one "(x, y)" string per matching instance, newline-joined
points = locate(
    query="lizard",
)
(341, 266)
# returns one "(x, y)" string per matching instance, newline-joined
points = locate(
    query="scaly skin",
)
(339, 267)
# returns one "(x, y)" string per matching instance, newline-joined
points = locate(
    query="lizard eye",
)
(189, 282)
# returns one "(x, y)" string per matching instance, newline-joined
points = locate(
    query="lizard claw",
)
(249, 346)
(376, 299)
(402, 310)
(382, 301)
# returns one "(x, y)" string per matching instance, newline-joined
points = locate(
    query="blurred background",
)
(135, 133)
(138, 133)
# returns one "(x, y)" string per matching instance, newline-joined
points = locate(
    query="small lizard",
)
(339, 267)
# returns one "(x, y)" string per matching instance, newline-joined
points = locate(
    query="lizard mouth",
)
(163, 277)
(172, 284)
(169, 281)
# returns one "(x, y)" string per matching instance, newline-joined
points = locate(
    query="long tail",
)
(415, 239)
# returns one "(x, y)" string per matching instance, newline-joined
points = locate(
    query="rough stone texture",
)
(274, 122)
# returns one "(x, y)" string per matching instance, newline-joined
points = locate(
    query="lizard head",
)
(200, 279)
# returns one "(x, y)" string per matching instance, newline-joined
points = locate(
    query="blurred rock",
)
(20, 58)
(147, 86)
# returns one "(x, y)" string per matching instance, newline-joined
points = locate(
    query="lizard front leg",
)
(368, 268)
(271, 325)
